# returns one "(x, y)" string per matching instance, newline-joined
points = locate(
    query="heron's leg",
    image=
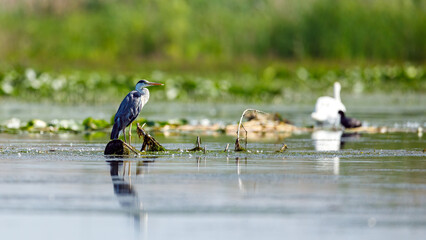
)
(130, 133)
(124, 133)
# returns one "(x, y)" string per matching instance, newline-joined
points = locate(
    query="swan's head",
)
(337, 86)
(145, 83)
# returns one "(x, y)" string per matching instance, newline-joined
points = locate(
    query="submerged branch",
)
(237, 142)
(149, 142)
(283, 148)
(227, 147)
(197, 146)
(242, 116)
(238, 147)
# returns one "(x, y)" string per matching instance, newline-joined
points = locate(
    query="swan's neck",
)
(337, 92)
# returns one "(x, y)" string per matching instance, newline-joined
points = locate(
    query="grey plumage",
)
(130, 108)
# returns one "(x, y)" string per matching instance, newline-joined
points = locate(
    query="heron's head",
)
(144, 83)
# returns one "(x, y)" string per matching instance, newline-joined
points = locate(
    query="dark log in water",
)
(120, 148)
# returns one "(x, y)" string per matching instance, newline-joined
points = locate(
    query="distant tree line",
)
(191, 30)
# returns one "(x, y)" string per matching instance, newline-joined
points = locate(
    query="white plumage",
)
(327, 108)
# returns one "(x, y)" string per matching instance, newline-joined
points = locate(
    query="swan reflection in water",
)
(328, 141)
(126, 195)
(331, 141)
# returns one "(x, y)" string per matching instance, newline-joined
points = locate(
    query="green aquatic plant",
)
(272, 83)
(95, 124)
(35, 124)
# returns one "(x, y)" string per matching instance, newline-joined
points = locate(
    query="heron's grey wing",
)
(129, 108)
(136, 106)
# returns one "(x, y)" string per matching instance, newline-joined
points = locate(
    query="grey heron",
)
(130, 108)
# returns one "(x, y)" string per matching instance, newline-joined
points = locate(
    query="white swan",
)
(327, 108)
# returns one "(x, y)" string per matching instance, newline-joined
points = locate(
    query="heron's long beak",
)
(154, 84)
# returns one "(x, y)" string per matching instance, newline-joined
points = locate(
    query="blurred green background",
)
(244, 50)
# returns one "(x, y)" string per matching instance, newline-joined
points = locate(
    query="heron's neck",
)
(144, 95)
(143, 91)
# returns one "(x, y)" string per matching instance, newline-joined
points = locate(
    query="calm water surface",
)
(405, 111)
(327, 185)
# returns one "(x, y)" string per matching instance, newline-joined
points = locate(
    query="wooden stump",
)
(238, 147)
(149, 143)
(119, 148)
(197, 146)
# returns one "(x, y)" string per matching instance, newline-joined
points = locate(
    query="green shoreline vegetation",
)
(224, 50)
(88, 125)
(213, 31)
(274, 83)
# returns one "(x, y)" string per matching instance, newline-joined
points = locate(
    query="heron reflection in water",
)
(126, 194)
